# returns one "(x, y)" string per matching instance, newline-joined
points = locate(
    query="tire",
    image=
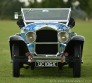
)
(77, 61)
(60, 66)
(16, 64)
(70, 64)
(32, 66)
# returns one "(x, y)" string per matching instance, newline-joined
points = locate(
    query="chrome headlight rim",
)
(34, 37)
(66, 34)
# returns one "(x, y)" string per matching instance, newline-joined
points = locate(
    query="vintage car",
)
(46, 40)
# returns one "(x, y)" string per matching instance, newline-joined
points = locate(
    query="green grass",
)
(44, 75)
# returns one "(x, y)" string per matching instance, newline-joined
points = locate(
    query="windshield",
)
(45, 14)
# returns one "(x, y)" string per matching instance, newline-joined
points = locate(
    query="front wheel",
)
(77, 61)
(32, 66)
(70, 64)
(16, 64)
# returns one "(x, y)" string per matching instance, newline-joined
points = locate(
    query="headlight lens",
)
(63, 36)
(31, 37)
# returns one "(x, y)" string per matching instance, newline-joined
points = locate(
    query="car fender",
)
(78, 38)
(74, 40)
(16, 39)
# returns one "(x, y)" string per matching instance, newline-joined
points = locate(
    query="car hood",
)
(38, 26)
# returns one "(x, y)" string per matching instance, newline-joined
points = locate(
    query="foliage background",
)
(82, 10)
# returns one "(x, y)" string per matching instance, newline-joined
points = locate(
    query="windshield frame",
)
(47, 21)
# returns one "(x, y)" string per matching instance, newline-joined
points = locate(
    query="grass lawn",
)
(45, 75)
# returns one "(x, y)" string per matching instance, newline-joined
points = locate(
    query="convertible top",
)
(46, 15)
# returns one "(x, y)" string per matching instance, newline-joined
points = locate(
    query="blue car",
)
(46, 40)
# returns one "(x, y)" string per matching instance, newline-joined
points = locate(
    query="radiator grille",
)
(46, 36)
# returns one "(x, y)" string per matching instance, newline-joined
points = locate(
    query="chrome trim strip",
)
(46, 42)
(68, 16)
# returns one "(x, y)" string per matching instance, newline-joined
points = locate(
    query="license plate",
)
(46, 64)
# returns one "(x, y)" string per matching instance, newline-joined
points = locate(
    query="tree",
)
(84, 5)
(9, 7)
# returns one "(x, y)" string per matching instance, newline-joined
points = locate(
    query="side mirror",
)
(71, 23)
(16, 15)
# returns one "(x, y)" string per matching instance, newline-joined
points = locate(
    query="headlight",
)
(63, 36)
(31, 37)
